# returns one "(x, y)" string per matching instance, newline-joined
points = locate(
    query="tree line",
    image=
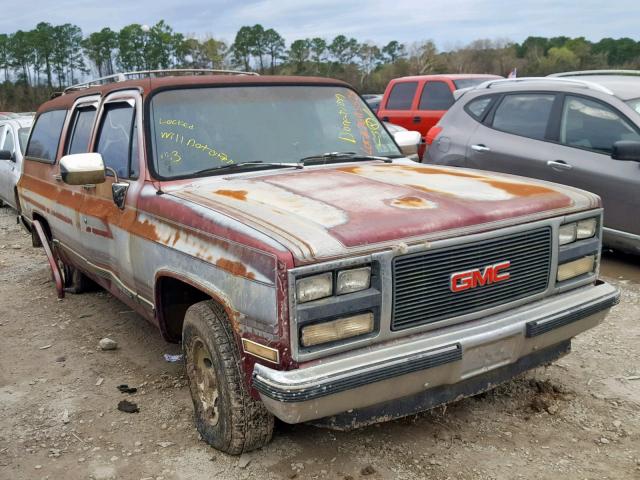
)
(37, 62)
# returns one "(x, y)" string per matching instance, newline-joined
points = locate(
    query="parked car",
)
(418, 102)
(13, 140)
(311, 272)
(582, 131)
(373, 101)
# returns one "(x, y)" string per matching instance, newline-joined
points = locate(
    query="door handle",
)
(480, 148)
(559, 165)
(416, 119)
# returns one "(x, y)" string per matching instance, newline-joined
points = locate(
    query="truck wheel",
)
(226, 416)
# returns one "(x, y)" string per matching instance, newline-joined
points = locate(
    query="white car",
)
(14, 134)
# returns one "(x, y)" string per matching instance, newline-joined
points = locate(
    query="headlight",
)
(354, 280)
(567, 233)
(586, 228)
(313, 288)
(570, 232)
(576, 268)
(337, 329)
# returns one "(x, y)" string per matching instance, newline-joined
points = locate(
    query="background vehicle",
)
(417, 103)
(311, 272)
(581, 131)
(373, 101)
(14, 134)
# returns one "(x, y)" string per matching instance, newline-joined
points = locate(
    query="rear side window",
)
(45, 137)
(478, 107)
(401, 96)
(114, 140)
(593, 125)
(524, 114)
(81, 131)
(436, 96)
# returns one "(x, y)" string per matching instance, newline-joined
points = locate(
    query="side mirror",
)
(408, 141)
(82, 169)
(626, 150)
(6, 155)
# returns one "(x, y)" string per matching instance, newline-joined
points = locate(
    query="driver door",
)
(106, 224)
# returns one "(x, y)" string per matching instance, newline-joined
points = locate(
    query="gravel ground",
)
(579, 418)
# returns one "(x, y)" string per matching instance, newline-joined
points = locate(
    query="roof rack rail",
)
(578, 83)
(121, 77)
(580, 73)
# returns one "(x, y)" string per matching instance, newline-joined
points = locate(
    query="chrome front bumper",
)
(408, 366)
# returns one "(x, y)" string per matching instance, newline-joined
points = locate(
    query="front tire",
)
(225, 414)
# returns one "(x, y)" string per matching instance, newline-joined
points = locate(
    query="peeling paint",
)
(413, 203)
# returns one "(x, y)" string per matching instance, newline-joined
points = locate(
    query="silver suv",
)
(14, 133)
(579, 128)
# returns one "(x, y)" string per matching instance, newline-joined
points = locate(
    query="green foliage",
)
(33, 63)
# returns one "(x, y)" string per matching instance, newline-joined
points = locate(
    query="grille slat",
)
(422, 292)
(461, 259)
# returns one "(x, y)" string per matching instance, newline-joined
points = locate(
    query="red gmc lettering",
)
(461, 281)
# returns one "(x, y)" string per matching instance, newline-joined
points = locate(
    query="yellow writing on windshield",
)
(346, 133)
(174, 156)
(223, 157)
(356, 104)
(176, 122)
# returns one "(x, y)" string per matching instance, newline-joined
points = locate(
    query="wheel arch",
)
(174, 293)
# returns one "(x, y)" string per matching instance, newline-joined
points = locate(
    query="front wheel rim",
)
(203, 378)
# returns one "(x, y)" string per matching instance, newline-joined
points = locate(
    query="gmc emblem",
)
(461, 281)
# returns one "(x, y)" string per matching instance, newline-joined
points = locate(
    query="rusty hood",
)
(330, 211)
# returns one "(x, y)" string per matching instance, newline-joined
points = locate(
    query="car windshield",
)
(23, 136)
(469, 82)
(635, 104)
(201, 129)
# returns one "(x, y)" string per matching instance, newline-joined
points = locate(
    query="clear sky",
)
(449, 23)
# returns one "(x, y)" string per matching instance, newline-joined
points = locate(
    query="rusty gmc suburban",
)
(312, 273)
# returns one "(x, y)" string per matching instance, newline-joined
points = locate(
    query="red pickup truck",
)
(311, 272)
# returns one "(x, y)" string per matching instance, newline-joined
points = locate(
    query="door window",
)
(81, 131)
(401, 96)
(436, 96)
(45, 137)
(593, 125)
(114, 140)
(524, 114)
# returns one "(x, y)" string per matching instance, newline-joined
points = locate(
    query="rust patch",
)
(237, 194)
(412, 203)
(235, 268)
(436, 171)
(520, 189)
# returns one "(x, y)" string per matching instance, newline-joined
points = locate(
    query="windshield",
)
(23, 136)
(469, 82)
(203, 128)
(635, 104)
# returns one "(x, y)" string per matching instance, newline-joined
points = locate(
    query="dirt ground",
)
(579, 418)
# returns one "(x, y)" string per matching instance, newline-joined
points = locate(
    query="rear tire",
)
(225, 414)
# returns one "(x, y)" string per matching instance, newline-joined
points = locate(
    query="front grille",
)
(421, 281)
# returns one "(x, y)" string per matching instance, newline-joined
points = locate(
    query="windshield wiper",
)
(337, 157)
(247, 165)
